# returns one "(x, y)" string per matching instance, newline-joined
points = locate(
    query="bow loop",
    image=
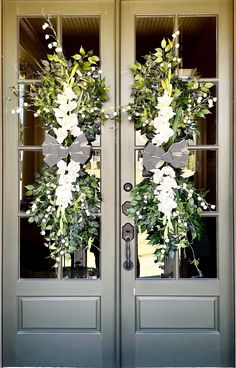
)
(154, 157)
(79, 150)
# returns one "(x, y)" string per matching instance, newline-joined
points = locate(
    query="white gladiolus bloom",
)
(61, 134)
(166, 204)
(163, 132)
(64, 195)
(164, 100)
(76, 131)
(164, 191)
(167, 170)
(157, 177)
(62, 167)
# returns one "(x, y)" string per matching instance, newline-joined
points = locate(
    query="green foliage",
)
(66, 229)
(191, 97)
(191, 100)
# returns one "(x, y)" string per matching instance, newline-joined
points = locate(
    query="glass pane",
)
(208, 125)
(84, 263)
(30, 128)
(80, 31)
(36, 263)
(93, 167)
(146, 265)
(140, 139)
(150, 32)
(139, 166)
(33, 47)
(34, 256)
(198, 44)
(205, 250)
(30, 162)
(205, 173)
(204, 163)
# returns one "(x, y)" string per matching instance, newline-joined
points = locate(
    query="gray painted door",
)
(101, 315)
(170, 317)
(50, 322)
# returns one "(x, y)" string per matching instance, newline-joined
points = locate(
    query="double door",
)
(101, 314)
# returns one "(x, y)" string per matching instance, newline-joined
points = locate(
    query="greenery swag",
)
(166, 109)
(68, 99)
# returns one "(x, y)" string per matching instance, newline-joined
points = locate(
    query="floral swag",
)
(68, 100)
(165, 109)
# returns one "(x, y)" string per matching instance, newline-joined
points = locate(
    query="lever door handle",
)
(128, 264)
(128, 235)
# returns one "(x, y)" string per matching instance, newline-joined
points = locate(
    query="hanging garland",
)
(166, 109)
(68, 99)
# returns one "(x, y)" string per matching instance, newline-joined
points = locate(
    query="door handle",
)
(128, 235)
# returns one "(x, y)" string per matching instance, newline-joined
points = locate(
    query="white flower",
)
(164, 100)
(166, 205)
(157, 177)
(64, 195)
(210, 103)
(168, 183)
(76, 131)
(163, 134)
(62, 167)
(58, 49)
(213, 207)
(61, 134)
(42, 232)
(67, 121)
(19, 110)
(26, 104)
(13, 111)
(49, 45)
(167, 170)
(46, 37)
(54, 44)
(45, 25)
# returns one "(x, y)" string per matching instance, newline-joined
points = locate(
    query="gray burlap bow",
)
(79, 150)
(154, 157)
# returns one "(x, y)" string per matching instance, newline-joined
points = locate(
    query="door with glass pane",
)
(100, 314)
(171, 316)
(48, 321)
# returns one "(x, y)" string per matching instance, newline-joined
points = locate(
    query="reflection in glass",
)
(93, 167)
(33, 46)
(198, 44)
(84, 263)
(139, 166)
(36, 263)
(80, 31)
(30, 162)
(205, 174)
(208, 125)
(140, 139)
(34, 256)
(150, 32)
(30, 128)
(146, 265)
(205, 250)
